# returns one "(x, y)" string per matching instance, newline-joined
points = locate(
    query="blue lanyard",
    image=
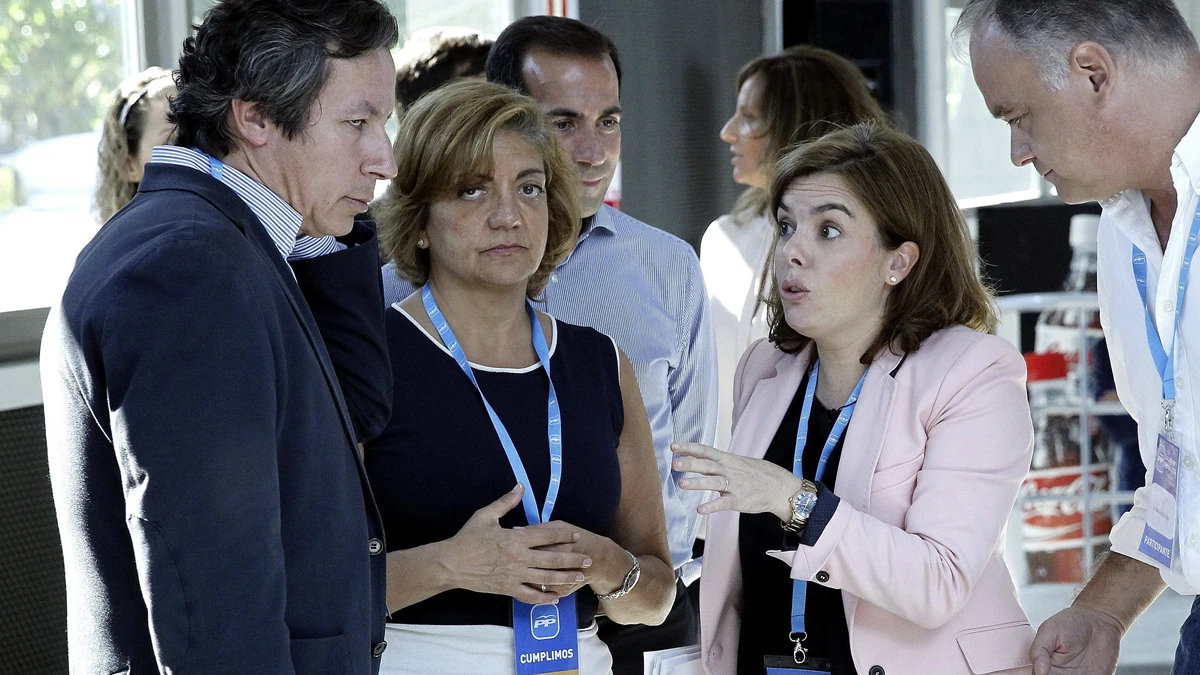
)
(800, 588)
(216, 168)
(1164, 361)
(553, 423)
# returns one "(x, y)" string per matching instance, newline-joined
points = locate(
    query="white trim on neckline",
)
(487, 369)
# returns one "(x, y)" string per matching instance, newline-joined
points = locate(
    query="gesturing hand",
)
(745, 484)
(1076, 641)
(487, 558)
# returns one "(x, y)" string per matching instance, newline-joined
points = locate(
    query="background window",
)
(59, 63)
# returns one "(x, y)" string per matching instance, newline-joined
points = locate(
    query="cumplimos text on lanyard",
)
(1158, 536)
(545, 636)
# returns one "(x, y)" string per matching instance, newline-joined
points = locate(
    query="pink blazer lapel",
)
(864, 436)
(768, 404)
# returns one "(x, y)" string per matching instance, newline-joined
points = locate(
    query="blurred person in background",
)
(1103, 100)
(880, 425)
(522, 470)
(435, 56)
(626, 279)
(796, 96)
(134, 124)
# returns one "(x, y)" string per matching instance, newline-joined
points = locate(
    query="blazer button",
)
(375, 546)
(382, 645)
(875, 670)
(822, 577)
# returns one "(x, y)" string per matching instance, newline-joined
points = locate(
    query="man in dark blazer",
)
(217, 355)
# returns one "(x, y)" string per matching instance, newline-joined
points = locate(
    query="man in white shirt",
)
(1102, 98)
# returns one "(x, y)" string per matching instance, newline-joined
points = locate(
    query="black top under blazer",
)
(213, 506)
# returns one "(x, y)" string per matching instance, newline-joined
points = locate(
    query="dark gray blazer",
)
(214, 511)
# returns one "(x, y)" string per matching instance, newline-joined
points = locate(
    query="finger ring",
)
(726, 488)
(543, 588)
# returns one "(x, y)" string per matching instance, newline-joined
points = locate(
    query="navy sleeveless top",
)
(439, 459)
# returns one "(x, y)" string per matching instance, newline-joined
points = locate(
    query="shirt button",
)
(1167, 306)
(554, 278)
(822, 576)
(1192, 541)
(1188, 461)
(1179, 383)
(375, 546)
(377, 651)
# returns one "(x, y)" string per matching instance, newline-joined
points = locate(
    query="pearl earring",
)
(421, 244)
(893, 279)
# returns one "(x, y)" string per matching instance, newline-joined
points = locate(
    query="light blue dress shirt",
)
(643, 287)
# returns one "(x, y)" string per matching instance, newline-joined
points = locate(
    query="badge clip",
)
(799, 653)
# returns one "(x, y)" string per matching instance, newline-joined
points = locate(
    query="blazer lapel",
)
(169, 177)
(865, 434)
(772, 396)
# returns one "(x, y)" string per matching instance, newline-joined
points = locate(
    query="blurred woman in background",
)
(792, 97)
(135, 123)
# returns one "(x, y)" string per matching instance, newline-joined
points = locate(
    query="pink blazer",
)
(930, 469)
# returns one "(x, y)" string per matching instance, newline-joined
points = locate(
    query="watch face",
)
(632, 579)
(804, 503)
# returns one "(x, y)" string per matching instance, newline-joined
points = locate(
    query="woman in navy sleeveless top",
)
(482, 210)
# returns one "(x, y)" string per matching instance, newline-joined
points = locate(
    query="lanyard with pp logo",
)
(1158, 536)
(543, 644)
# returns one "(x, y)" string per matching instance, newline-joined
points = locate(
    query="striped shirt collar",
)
(281, 221)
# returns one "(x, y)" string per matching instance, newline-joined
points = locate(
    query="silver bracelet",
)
(631, 579)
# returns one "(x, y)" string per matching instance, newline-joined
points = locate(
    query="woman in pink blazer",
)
(880, 425)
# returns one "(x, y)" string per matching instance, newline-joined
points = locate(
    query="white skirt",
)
(417, 649)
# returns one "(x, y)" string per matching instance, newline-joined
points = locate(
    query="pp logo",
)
(543, 621)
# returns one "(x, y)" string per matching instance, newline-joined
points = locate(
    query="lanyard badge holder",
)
(542, 642)
(800, 588)
(1158, 536)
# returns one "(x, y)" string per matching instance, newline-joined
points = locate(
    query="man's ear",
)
(1093, 61)
(247, 122)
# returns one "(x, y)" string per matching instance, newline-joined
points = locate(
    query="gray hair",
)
(1149, 35)
(272, 52)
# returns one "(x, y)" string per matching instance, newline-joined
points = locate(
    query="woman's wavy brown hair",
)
(807, 92)
(124, 125)
(443, 144)
(901, 186)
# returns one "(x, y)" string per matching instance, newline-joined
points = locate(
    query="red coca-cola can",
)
(1053, 530)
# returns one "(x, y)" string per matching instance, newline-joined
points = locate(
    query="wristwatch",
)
(802, 504)
(631, 579)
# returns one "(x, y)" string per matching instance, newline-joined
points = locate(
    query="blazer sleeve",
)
(193, 382)
(978, 447)
(344, 291)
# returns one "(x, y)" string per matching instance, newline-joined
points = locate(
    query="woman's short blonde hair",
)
(899, 183)
(443, 144)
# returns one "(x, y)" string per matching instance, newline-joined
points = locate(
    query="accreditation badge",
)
(547, 638)
(786, 665)
(1158, 537)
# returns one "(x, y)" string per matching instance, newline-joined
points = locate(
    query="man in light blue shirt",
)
(638, 284)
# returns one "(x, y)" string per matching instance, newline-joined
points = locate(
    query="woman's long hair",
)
(807, 92)
(124, 126)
